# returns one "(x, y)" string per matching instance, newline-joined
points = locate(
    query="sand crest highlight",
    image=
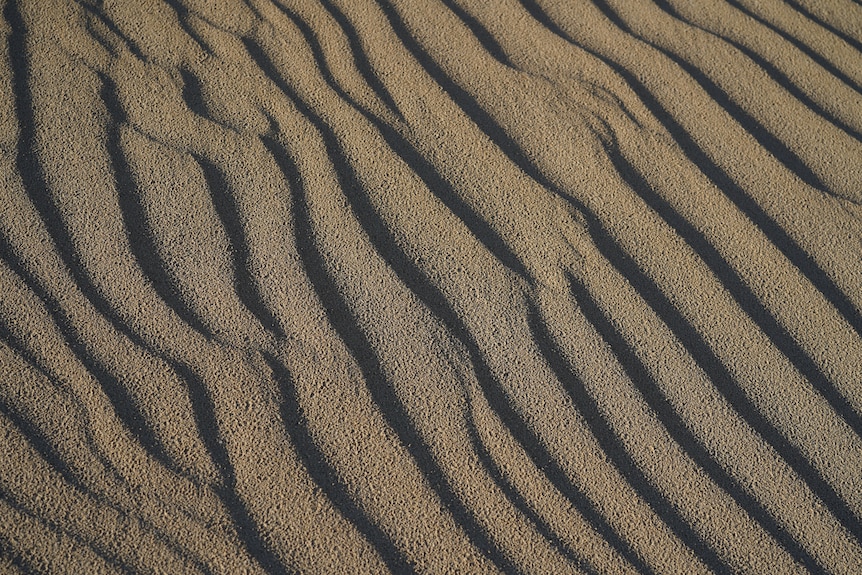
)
(437, 286)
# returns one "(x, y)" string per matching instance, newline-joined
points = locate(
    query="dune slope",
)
(431, 286)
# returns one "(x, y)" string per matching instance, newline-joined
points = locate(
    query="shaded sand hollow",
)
(431, 286)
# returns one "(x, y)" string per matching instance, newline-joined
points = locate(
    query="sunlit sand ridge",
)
(431, 286)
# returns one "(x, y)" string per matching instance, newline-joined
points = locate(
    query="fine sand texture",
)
(431, 286)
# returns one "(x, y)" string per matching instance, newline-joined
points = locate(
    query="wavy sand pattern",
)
(427, 286)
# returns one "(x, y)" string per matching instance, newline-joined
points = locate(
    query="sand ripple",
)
(525, 286)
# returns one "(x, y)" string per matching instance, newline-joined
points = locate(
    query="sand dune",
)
(431, 286)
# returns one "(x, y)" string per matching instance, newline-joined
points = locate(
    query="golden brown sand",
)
(432, 286)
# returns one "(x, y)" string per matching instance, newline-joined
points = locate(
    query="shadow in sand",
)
(463, 99)
(141, 241)
(413, 278)
(125, 407)
(772, 71)
(764, 137)
(43, 446)
(613, 446)
(208, 429)
(734, 192)
(737, 288)
(33, 179)
(183, 13)
(718, 373)
(97, 548)
(676, 427)
(808, 14)
(17, 560)
(111, 27)
(35, 437)
(821, 60)
(360, 58)
(344, 323)
(125, 404)
(193, 94)
(480, 33)
(433, 180)
(524, 508)
(228, 212)
(326, 476)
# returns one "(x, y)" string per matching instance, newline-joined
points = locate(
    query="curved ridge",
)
(296, 286)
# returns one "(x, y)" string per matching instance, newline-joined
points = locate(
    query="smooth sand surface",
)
(431, 286)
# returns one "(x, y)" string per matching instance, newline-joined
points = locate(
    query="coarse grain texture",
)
(431, 286)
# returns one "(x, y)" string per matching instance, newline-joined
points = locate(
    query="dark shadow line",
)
(414, 279)
(480, 33)
(72, 339)
(769, 141)
(142, 243)
(33, 179)
(791, 454)
(253, 9)
(126, 409)
(777, 75)
(440, 187)
(721, 378)
(614, 448)
(125, 405)
(205, 419)
(34, 435)
(18, 561)
(34, 182)
(360, 58)
(193, 94)
(605, 95)
(42, 444)
(800, 9)
(93, 545)
(228, 212)
(679, 431)
(182, 13)
(738, 289)
(103, 39)
(433, 180)
(734, 192)
(514, 496)
(60, 319)
(800, 45)
(343, 321)
(208, 428)
(326, 477)
(114, 29)
(464, 100)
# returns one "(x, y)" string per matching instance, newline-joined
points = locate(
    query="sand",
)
(431, 286)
